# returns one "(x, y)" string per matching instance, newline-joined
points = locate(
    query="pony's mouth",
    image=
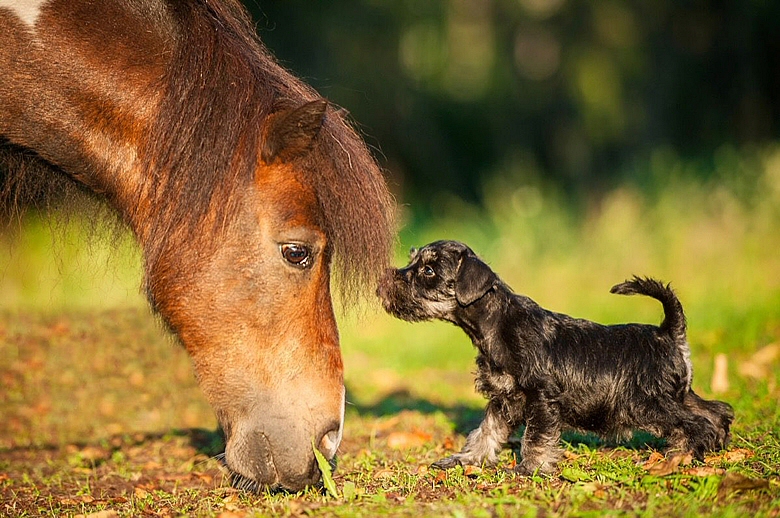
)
(248, 483)
(244, 483)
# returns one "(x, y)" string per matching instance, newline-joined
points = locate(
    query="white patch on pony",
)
(26, 10)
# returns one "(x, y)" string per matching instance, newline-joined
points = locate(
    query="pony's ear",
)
(474, 280)
(291, 132)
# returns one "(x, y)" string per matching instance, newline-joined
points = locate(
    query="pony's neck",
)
(82, 104)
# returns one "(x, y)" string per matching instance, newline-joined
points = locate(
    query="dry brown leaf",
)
(102, 514)
(654, 459)
(472, 471)
(735, 455)
(141, 493)
(735, 482)
(670, 465)
(422, 470)
(704, 471)
(205, 477)
(383, 473)
(94, 453)
(59, 328)
(407, 440)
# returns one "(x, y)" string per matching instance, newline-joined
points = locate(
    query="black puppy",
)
(551, 371)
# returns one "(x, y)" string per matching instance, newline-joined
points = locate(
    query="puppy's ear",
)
(475, 278)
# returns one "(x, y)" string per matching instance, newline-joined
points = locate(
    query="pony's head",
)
(265, 191)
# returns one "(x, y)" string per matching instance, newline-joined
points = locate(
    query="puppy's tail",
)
(674, 317)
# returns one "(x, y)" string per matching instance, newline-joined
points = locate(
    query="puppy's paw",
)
(527, 469)
(447, 462)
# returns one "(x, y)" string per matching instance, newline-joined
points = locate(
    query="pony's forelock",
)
(206, 141)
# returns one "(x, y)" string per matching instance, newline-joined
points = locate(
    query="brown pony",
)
(241, 184)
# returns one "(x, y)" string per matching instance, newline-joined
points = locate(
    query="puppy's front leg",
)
(540, 445)
(484, 443)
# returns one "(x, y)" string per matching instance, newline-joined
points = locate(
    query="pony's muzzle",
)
(274, 451)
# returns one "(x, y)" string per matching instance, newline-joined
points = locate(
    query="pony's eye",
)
(428, 271)
(296, 255)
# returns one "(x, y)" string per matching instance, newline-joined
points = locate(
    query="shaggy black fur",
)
(551, 371)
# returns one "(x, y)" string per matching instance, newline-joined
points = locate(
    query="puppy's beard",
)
(419, 310)
(441, 309)
(400, 303)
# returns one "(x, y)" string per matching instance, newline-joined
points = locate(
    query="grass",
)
(101, 412)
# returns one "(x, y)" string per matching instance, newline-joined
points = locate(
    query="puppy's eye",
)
(428, 271)
(296, 254)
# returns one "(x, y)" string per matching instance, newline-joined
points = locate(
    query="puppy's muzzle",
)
(394, 290)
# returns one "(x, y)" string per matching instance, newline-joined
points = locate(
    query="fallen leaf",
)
(654, 459)
(735, 482)
(205, 477)
(472, 471)
(704, 471)
(383, 473)
(109, 513)
(94, 453)
(141, 493)
(67, 501)
(422, 470)
(222, 491)
(670, 465)
(231, 514)
(407, 440)
(735, 455)
(59, 328)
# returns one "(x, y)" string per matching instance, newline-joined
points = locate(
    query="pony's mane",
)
(220, 84)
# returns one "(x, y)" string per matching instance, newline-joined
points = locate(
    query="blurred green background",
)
(570, 143)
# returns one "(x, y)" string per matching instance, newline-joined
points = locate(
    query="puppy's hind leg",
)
(718, 413)
(484, 443)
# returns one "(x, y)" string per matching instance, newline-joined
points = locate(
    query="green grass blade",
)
(327, 473)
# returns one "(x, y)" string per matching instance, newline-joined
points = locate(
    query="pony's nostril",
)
(330, 443)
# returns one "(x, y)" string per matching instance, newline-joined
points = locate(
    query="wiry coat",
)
(551, 371)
